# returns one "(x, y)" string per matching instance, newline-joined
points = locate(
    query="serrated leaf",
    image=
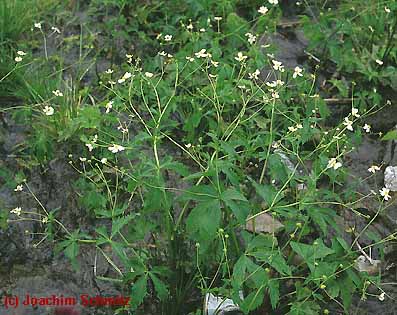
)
(274, 292)
(118, 223)
(138, 292)
(159, 286)
(204, 220)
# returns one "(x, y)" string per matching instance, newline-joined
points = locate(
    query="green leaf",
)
(236, 28)
(118, 223)
(232, 194)
(274, 259)
(200, 193)
(159, 286)
(138, 292)
(391, 135)
(253, 300)
(204, 220)
(346, 289)
(311, 253)
(274, 292)
(267, 192)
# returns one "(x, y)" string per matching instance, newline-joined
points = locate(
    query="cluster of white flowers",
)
(263, 10)
(278, 66)
(20, 54)
(18, 188)
(254, 75)
(125, 77)
(149, 74)
(251, 38)
(57, 93)
(348, 123)
(295, 128)
(367, 128)
(203, 54)
(16, 211)
(333, 163)
(116, 148)
(274, 2)
(168, 38)
(275, 83)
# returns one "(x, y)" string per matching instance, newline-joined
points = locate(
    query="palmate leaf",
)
(204, 220)
(311, 253)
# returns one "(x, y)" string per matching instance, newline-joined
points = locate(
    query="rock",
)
(391, 178)
(264, 223)
(363, 265)
(217, 305)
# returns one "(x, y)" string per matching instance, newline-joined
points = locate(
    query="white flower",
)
(333, 163)
(373, 169)
(251, 38)
(348, 123)
(18, 59)
(104, 160)
(18, 188)
(56, 29)
(16, 211)
(162, 53)
(190, 59)
(297, 72)
(387, 10)
(126, 76)
(381, 297)
(254, 75)
(277, 65)
(189, 27)
(275, 83)
(168, 38)
(275, 94)
(299, 126)
(108, 106)
(82, 159)
(116, 148)
(148, 74)
(379, 62)
(89, 146)
(215, 63)
(188, 145)
(263, 10)
(385, 193)
(109, 71)
(202, 53)
(367, 128)
(355, 112)
(273, 2)
(57, 93)
(218, 18)
(240, 57)
(48, 110)
(202, 30)
(44, 220)
(37, 25)
(21, 53)
(292, 129)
